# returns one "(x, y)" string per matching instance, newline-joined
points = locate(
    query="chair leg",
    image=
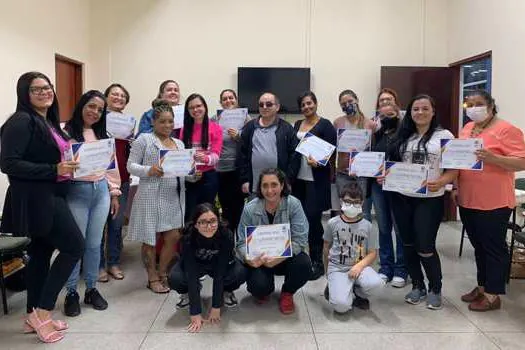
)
(511, 252)
(2, 285)
(463, 231)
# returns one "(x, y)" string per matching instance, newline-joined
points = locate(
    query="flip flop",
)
(165, 289)
(116, 273)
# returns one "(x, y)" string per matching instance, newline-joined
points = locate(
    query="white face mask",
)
(352, 210)
(477, 114)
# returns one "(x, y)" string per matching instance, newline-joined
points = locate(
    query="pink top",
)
(112, 176)
(493, 187)
(343, 122)
(214, 144)
(63, 146)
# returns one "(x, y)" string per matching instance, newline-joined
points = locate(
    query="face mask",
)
(352, 210)
(350, 109)
(389, 122)
(477, 114)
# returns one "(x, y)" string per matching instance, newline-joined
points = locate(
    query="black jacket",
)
(323, 174)
(287, 159)
(29, 157)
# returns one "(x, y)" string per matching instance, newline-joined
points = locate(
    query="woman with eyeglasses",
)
(158, 206)
(486, 198)
(353, 119)
(205, 137)
(207, 249)
(169, 91)
(33, 156)
(90, 199)
(117, 99)
(312, 186)
(418, 216)
(275, 205)
(230, 187)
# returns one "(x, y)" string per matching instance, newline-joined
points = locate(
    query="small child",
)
(350, 247)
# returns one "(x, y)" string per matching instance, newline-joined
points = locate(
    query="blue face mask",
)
(350, 109)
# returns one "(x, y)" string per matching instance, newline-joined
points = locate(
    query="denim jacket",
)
(289, 211)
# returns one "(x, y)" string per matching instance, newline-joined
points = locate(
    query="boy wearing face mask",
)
(350, 247)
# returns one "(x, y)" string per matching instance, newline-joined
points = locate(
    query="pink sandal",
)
(35, 323)
(57, 324)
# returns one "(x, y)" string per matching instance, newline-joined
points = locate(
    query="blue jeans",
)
(390, 265)
(113, 246)
(89, 203)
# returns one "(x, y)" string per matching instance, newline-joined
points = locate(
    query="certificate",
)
(93, 157)
(461, 154)
(349, 140)
(120, 126)
(177, 163)
(232, 118)
(367, 164)
(178, 114)
(273, 240)
(319, 149)
(406, 178)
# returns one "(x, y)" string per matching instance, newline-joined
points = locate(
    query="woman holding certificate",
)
(168, 91)
(484, 206)
(207, 249)
(158, 206)
(418, 213)
(278, 244)
(230, 193)
(91, 198)
(33, 157)
(205, 137)
(354, 133)
(117, 99)
(312, 186)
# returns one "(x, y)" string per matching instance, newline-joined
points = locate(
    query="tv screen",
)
(286, 83)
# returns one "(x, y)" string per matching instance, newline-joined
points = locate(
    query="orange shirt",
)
(493, 187)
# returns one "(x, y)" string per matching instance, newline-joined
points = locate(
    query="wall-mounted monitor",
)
(286, 83)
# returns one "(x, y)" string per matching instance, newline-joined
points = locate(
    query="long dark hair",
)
(189, 122)
(75, 126)
(191, 232)
(408, 128)
(23, 103)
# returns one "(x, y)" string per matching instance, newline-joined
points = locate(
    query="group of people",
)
(259, 179)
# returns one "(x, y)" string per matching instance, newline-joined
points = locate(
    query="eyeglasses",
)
(266, 104)
(38, 90)
(208, 223)
(116, 94)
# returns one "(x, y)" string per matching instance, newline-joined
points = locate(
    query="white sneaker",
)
(383, 277)
(203, 278)
(398, 282)
(184, 301)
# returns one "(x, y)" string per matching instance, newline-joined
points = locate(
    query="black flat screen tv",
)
(286, 83)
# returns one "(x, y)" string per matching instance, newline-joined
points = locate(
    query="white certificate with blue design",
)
(178, 117)
(232, 118)
(177, 163)
(93, 157)
(319, 149)
(350, 140)
(120, 126)
(461, 154)
(274, 241)
(367, 164)
(406, 178)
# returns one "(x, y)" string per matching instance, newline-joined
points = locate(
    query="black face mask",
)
(390, 123)
(350, 109)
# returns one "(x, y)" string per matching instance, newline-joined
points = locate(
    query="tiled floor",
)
(138, 319)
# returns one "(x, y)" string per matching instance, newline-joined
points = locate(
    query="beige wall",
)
(31, 32)
(201, 43)
(478, 26)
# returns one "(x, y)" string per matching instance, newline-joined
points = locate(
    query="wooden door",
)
(437, 82)
(68, 81)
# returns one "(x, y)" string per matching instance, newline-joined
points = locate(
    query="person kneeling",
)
(207, 249)
(274, 205)
(350, 248)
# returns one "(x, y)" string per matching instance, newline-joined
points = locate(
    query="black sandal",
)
(157, 291)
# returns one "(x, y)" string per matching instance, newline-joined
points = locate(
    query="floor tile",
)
(508, 341)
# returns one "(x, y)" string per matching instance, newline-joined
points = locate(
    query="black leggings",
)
(487, 231)
(231, 198)
(44, 283)
(296, 271)
(418, 221)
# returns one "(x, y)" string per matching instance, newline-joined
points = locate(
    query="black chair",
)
(9, 247)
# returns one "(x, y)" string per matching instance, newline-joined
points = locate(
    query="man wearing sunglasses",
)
(268, 141)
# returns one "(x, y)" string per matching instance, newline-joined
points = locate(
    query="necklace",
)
(476, 130)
